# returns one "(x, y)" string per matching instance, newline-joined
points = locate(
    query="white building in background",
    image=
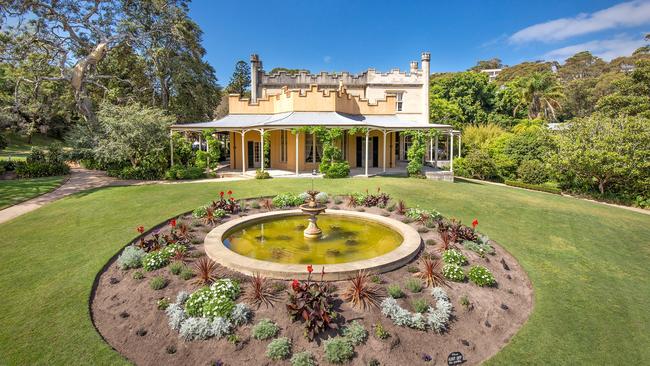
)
(492, 73)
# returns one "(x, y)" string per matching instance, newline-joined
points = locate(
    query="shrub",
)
(255, 205)
(262, 174)
(200, 212)
(137, 275)
(196, 329)
(436, 319)
(182, 172)
(284, 200)
(380, 332)
(420, 306)
(217, 300)
(338, 350)
(260, 292)
(481, 276)
(241, 314)
(355, 333)
(361, 293)
(414, 285)
(431, 272)
(321, 197)
(453, 272)
(38, 169)
(158, 283)
(532, 172)
(340, 169)
(176, 315)
(176, 268)
(265, 329)
(454, 256)
(131, 257)
(482, 247)
(476, 164)
(154, 260)
(430, 242)
(279, 349)
(162, 304)
(395, 291)
(422, 215)
(186, 274)
(312, 302)
(303, 359)
(205, 269)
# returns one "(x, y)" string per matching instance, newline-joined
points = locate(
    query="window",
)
(256, 152)
(399, 102)
(309, 149)
(283, 146)
(407, 144)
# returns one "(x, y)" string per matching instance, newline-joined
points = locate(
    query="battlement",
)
(304, 79)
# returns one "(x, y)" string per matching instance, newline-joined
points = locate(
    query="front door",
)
(360, 146)
(253, 154)
(375, 152)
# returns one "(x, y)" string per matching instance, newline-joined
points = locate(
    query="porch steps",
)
(443, 175)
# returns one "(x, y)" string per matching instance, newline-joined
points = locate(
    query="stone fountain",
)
(312, 208)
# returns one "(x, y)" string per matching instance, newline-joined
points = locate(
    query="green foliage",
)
(476, 164)
(541, 94)
(420, 305)
(138, 275)
(381, 332)
(532, 172)
(163, 303)
(338, 350)
(340, 169)
(131, 257)
(217, 300)
(284, 200)
(479, 136)
(303, 359)
(40, 163)
(395, 291)
(482, 247)
(176, 268)
(182, 172)
(417, 150)
(265, 329)
(356, 333)
(462, 97)
(240, 80)
(453, 272)
(481, 276)
(454, 256)
(279, 349)
(259, 174)
(413, 285)
(186, 274)
(158, 283)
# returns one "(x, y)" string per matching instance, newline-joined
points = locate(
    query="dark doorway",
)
(359, 152)
(375, 152)
(251, 154)
(397, 157)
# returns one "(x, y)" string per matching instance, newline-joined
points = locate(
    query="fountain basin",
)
(378, 244)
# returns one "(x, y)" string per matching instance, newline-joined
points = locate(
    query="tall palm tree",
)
(541, 93)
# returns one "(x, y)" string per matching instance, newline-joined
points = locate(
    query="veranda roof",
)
(299, 119)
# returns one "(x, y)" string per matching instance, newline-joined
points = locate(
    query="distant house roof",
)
(300, 119)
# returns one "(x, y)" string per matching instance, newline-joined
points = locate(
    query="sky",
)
(355, 35)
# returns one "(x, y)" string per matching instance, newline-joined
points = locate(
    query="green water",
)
(344, 240)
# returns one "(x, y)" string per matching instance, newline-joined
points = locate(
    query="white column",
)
(451, 152)
(262, 148)
(367, 134)
(171, 147)
(435, 152)
(243, 156)
(297, 139)
(207, 150)
(384, 151)
(459, 145)
(430, 150)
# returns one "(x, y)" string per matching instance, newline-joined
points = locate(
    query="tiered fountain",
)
(312, 208)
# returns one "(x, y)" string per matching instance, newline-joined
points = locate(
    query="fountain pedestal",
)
(312, 209)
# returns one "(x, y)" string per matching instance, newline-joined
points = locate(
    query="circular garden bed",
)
(163, 301)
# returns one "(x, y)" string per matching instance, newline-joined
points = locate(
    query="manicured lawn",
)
(18, 148)
(588, 264)
(15, 191)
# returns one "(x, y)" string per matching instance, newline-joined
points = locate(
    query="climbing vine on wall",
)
(417, 150)
(332, 165)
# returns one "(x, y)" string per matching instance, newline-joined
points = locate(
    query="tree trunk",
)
(164, 92)
(601, 186)
(79, 73)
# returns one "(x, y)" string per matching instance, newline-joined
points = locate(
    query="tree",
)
(74, 35)
(525, 69)
(541, 93)
(605, 152)
(580, 66)
(479, 136)
(631, 94)
(240, 80)
(469, 97)
(493, 63)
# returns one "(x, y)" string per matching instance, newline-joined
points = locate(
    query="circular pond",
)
(273, 244)
(281, 240)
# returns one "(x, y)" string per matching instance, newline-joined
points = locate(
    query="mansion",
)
(372, 109)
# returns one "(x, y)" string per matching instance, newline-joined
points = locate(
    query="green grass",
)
(19, 190)
(18, 148)
(588, 264)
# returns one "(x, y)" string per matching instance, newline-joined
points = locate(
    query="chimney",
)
(426, 72)
(255, 66)
(414, 67)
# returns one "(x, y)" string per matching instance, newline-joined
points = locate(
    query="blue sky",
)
(355, 35)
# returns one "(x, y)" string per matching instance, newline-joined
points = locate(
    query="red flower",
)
(232, 199)
(172, 222)
(474, 223)
(295, 285)
(230, 193)
(310, 269)
(140, 229)
(221, 193)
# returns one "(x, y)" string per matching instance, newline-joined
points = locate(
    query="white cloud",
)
(604, 48)
(327, 59)
(629, 14)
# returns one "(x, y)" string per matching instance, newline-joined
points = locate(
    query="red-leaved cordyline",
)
(474, 224)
